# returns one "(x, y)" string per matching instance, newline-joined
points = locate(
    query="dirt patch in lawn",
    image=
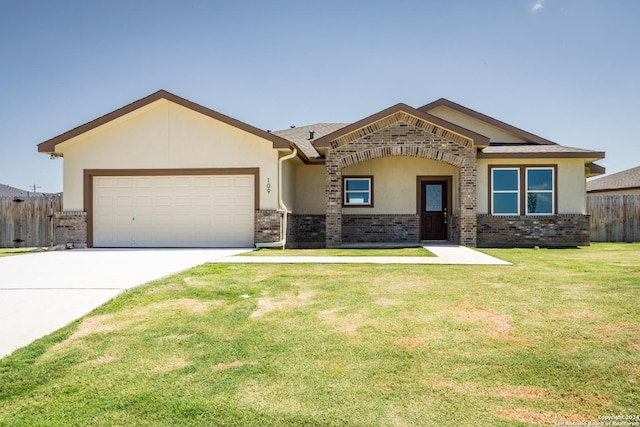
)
(544, 418)
(267, 305)
(410, 343)
(497, 325)
(347, 324)
(168, 365)
(521, 392)
(101, 360)
(234, 364)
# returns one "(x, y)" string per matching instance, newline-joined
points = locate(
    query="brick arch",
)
(400, 138)
(400, 150)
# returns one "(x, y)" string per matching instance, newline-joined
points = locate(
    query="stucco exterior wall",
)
(571, 182)
(495, 134)
(310, 189)
(164, 135)
(394, 183)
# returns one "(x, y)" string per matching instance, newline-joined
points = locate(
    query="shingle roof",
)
(7, 191)
(554, 150)
(629, 178)
(300, 136)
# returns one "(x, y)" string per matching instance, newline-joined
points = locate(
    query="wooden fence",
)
(28, 221)
(614, 218)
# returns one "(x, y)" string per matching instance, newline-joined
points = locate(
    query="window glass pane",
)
(505, 203)
(358, 198)
(539, 203)
(505, 180)
(357, 184)
(539, 179)
(434, 198)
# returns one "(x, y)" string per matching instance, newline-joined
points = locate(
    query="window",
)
(523, 190)
(505, 194)
(357, 191)
(539, 191)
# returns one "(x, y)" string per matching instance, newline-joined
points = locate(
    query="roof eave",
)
(589, 156)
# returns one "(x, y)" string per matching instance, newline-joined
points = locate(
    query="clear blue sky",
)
(567, 70)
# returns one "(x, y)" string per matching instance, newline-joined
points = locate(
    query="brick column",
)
(468, 195)
(334, 201)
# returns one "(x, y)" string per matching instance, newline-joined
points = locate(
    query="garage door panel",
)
(174, 211)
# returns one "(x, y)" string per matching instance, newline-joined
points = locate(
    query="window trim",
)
(517, 191)
(344, 191)
(522, 188)
(552, 191)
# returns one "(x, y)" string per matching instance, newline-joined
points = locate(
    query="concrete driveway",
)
(42, 292)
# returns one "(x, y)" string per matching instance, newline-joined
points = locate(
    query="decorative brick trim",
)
(267, 226)
(381, 228)
(70, 228)
(529, 231)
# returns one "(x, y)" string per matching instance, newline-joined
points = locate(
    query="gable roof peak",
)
(527, 136)
(49, 146)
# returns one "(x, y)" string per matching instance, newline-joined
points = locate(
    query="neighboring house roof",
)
(361, 125)
(627, 179)
(442, 102)
(301, 136)
(8, 191)
(49, 146)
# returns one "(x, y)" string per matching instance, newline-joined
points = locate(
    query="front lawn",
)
(15, 251)
(380, 252)
(555, 338)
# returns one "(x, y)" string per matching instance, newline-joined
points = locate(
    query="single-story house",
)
(626, 182)
(167, 172)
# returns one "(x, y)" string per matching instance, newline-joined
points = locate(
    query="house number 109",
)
(268, 186)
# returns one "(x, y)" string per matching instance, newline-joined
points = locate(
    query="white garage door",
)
(173, 211)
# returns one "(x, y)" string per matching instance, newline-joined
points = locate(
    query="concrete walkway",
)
(42, 292)
(445, 254)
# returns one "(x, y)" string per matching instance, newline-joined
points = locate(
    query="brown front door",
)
(433, 210)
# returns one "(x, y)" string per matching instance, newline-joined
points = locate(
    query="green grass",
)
(555, 338)
(15, 251)
(381, 252)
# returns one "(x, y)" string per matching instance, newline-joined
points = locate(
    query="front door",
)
(433, 210)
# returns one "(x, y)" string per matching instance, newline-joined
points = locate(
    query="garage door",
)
(173, 211)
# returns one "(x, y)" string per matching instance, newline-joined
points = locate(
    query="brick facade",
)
(380, 228)
(529, 231)
(306, 231)
(70, 228)
(403, 135)
(267, 226)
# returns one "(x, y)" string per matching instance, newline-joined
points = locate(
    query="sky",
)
(566, 70)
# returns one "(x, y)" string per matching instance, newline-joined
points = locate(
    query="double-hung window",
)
(358, 191)
(540, 191)
(522, 190)
(505, 195)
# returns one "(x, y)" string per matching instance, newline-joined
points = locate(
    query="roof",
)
(626, 179)
(8, 191)
(325, 141)
(442, 102)
(300, 136)
(538, 151)
(49, 146)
